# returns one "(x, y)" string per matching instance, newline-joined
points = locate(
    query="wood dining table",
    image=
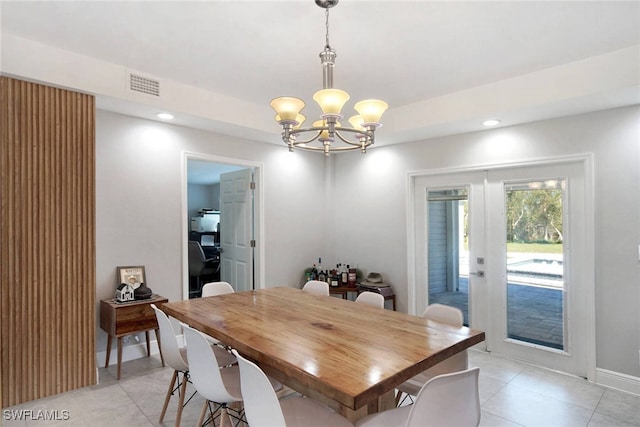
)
(350, 356)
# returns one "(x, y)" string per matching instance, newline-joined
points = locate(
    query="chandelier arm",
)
(355, 144)
(309, 148)
(332, 149)
(302, 130)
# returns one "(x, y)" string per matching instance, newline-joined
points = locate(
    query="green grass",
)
(544, 248)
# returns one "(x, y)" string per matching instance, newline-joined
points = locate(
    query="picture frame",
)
(131, 275)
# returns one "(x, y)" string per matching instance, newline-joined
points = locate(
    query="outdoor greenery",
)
(534, 216)
(536, 248)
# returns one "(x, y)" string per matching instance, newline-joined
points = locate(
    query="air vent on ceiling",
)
(138, 83)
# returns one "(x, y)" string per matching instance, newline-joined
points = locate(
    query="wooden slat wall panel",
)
(47, 240)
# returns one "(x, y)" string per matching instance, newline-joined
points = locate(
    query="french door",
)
(509, 247)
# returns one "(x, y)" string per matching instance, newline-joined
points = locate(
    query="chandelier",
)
(327, 134)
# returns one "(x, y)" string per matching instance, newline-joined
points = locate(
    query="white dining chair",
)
(263, 409)
(217, 385)
(316, 287)
(371, 298)
(176, 358)
(212, 289)
(216, 288)
(458, 362)
(445, 400)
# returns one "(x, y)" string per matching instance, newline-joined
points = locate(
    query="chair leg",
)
(225, 420)
(168, 397)
(203, 411)
(183, 391)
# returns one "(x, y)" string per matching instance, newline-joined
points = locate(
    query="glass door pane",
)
(448, 248)
(535, 273)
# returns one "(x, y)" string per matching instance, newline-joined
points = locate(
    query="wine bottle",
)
(344, 276)
(335, 280)
(351, 277)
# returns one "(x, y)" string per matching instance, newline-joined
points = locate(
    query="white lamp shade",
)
(356, 122)
(331, 101)
(371, 110)
(287, 107)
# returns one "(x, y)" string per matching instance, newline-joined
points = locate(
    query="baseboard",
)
(129, 352)
(618, 381)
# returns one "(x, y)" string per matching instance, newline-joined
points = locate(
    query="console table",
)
(119, 319)
(343, 291)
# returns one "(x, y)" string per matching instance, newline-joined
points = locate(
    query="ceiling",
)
(443, 66)
(203, 172)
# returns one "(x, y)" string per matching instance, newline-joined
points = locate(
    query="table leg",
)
(146, 334)
(106, 363)
(119, 355)
(159, 346)
(353, 415)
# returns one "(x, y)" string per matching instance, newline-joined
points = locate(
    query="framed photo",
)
(132, 275)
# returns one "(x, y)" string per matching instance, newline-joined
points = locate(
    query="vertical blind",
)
(47, 240)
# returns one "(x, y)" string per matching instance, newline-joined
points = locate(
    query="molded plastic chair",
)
(221, 386)
(217, 288)
(316, 287)
(263, 409)
(445, 400)
(458, 362)
(371, 298)
(176, 357)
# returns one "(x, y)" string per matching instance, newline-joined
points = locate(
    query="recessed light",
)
(165, 116)
(491, 122)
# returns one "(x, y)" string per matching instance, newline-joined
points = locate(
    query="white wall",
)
(202, 196)
(371, 221)
(139, 212)
(138, 172)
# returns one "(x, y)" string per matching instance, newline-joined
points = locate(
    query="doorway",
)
(203, 191)
(509, 247)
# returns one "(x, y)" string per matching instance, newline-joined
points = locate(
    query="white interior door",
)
(529, 291)
(236, 229)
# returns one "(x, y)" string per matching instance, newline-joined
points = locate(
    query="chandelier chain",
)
(326, 14)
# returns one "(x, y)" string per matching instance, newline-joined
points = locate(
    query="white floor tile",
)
(512, 394)
(528, 408)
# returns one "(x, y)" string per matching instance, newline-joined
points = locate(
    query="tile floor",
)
(535, 313)
(511, 394)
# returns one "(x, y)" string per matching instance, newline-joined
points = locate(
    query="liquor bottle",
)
(351, 277)
(335, 279)
(321, 276)
(314, 272)
(344, 276)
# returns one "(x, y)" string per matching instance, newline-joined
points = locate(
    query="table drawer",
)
(135, 318)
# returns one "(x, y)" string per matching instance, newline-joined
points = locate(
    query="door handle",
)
(479, 273)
